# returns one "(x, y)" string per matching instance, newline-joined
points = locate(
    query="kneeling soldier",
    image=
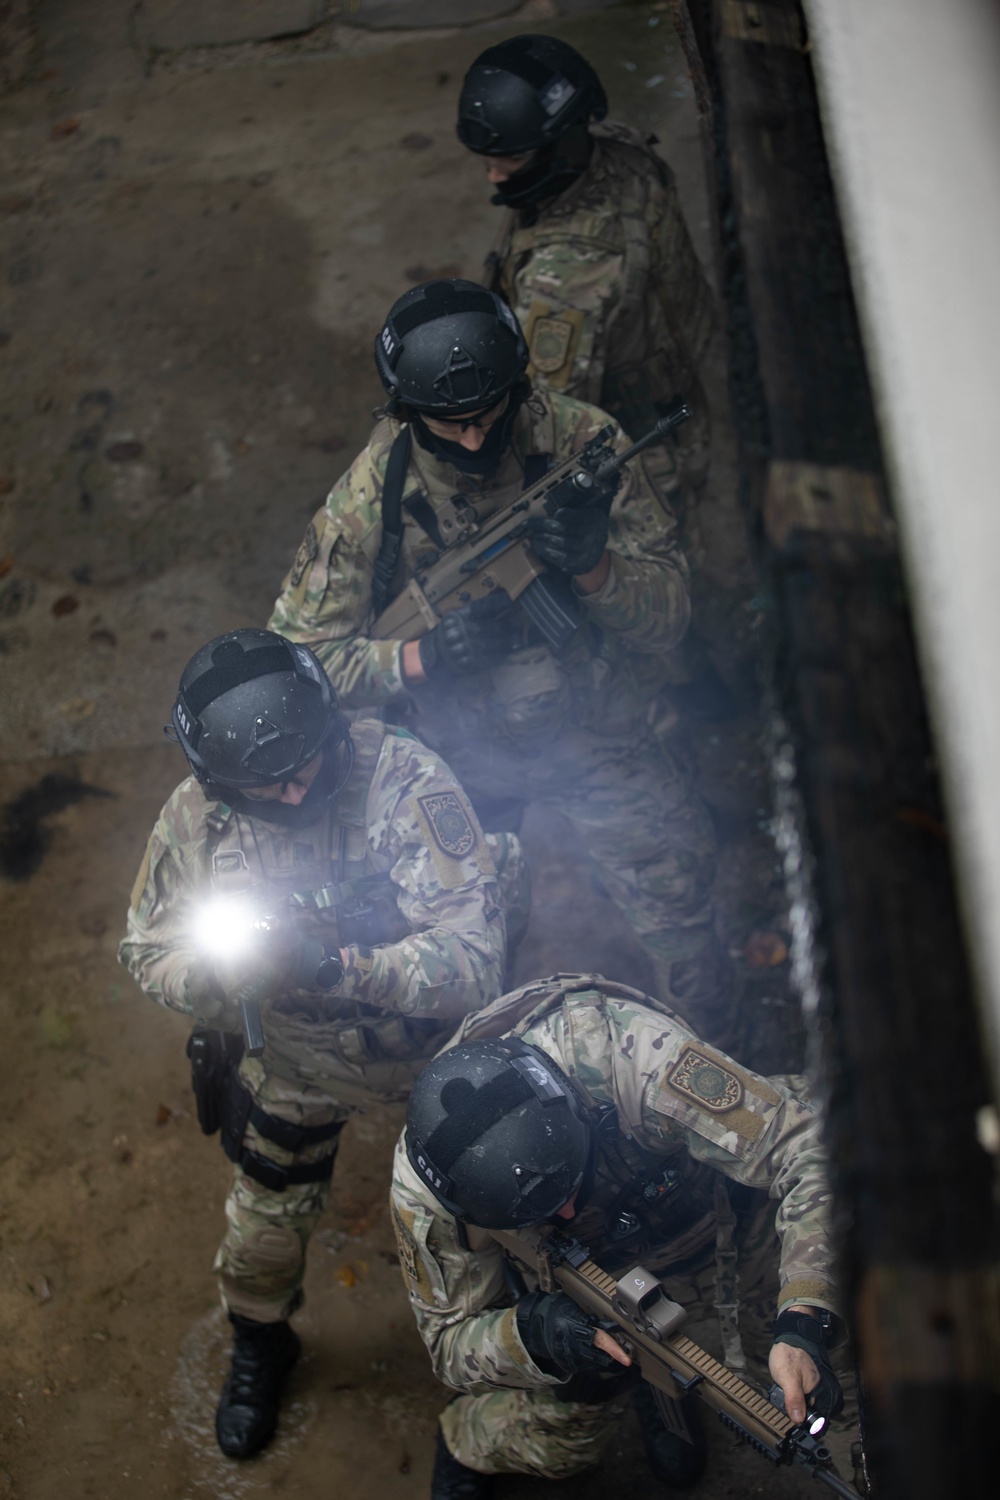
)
(586, 1104)
(348, 863)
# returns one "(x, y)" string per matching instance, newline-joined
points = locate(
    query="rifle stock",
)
(647, 1327)
(494, 555)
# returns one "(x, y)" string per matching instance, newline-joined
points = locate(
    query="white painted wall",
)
(910, 94)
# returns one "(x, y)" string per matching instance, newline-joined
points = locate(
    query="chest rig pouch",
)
(644, 1207)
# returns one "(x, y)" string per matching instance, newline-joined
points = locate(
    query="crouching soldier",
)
(327, 882)
(583, 1104)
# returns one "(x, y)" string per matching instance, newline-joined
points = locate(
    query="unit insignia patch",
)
(706, 1081)
(449, 823)
(550, 341)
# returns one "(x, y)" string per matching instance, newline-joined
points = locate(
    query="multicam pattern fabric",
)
(642, 608)
(448, 949)
(571, 732)
(441, 954)
(621, 1049)
(610, 293)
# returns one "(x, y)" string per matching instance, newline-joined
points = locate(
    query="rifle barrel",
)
(674, 418)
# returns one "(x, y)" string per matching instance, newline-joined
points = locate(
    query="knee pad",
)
(270, 1249)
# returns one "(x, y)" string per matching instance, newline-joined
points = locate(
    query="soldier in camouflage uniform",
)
(654, 1149)
(596, 260)
(594, 255)
(378, 926)
(465, 432)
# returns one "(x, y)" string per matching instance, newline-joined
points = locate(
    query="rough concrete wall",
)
(912, 116)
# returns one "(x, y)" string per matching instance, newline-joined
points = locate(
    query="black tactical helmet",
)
(498, 1135)
(524, 94)
(450, 347)
(252, 709)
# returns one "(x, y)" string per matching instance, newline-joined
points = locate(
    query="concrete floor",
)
(200, 245)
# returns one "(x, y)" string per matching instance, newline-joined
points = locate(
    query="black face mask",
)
(330, 779)
(553, 169)
(487, 459)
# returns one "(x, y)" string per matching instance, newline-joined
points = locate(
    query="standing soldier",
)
(580, 1104)
(334, 874)
(463, 436)
(595, 259)
(594, 255)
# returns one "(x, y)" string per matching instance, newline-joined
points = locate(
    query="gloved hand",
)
(573, 540)
(559, 1336)
(471, 639)
(812, 1335)
(280, 959)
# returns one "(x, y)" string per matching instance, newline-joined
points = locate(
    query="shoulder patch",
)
(706, 1081)
(709, 1093)
(452, 831)
(413, 1268)
(551, 338)
(305, 556)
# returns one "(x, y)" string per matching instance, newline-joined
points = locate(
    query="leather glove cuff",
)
(435, 668)
(559, 1336)
(814, 1335)
(799, 1329)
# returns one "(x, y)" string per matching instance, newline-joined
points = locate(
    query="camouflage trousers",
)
(651, 841)
(261, 1261)
(533, 1432)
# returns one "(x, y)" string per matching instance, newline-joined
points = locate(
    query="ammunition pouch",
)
(385, 1038)
(532, 698)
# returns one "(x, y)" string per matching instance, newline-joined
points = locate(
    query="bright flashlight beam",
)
(223, 927)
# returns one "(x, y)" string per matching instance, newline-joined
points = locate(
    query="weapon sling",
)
(392, 520)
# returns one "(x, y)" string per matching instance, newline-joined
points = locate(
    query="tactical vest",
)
(659, 1210)
(327, 879)
(324, 876)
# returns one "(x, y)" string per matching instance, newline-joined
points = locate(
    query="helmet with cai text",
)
(450, 347)
(523, 94)
(497, 1133)
(252, 709)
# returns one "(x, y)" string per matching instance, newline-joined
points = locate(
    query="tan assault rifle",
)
(646, 1325)
(485, 557)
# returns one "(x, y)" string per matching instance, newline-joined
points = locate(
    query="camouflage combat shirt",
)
(608, 288)
(641, 611)
(400, 830)
(674, 1097)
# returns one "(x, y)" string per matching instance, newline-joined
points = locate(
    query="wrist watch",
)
(330, 973)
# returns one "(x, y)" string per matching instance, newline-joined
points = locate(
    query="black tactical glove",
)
(573, 540)
(471, 639)
(814, 1335)
(559, 1336)
(281, 959)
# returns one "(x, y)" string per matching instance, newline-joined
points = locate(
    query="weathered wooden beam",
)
(879, 952)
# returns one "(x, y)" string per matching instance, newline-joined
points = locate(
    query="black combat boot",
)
(453, 1481)
(675, 1463)
(247, 1414)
